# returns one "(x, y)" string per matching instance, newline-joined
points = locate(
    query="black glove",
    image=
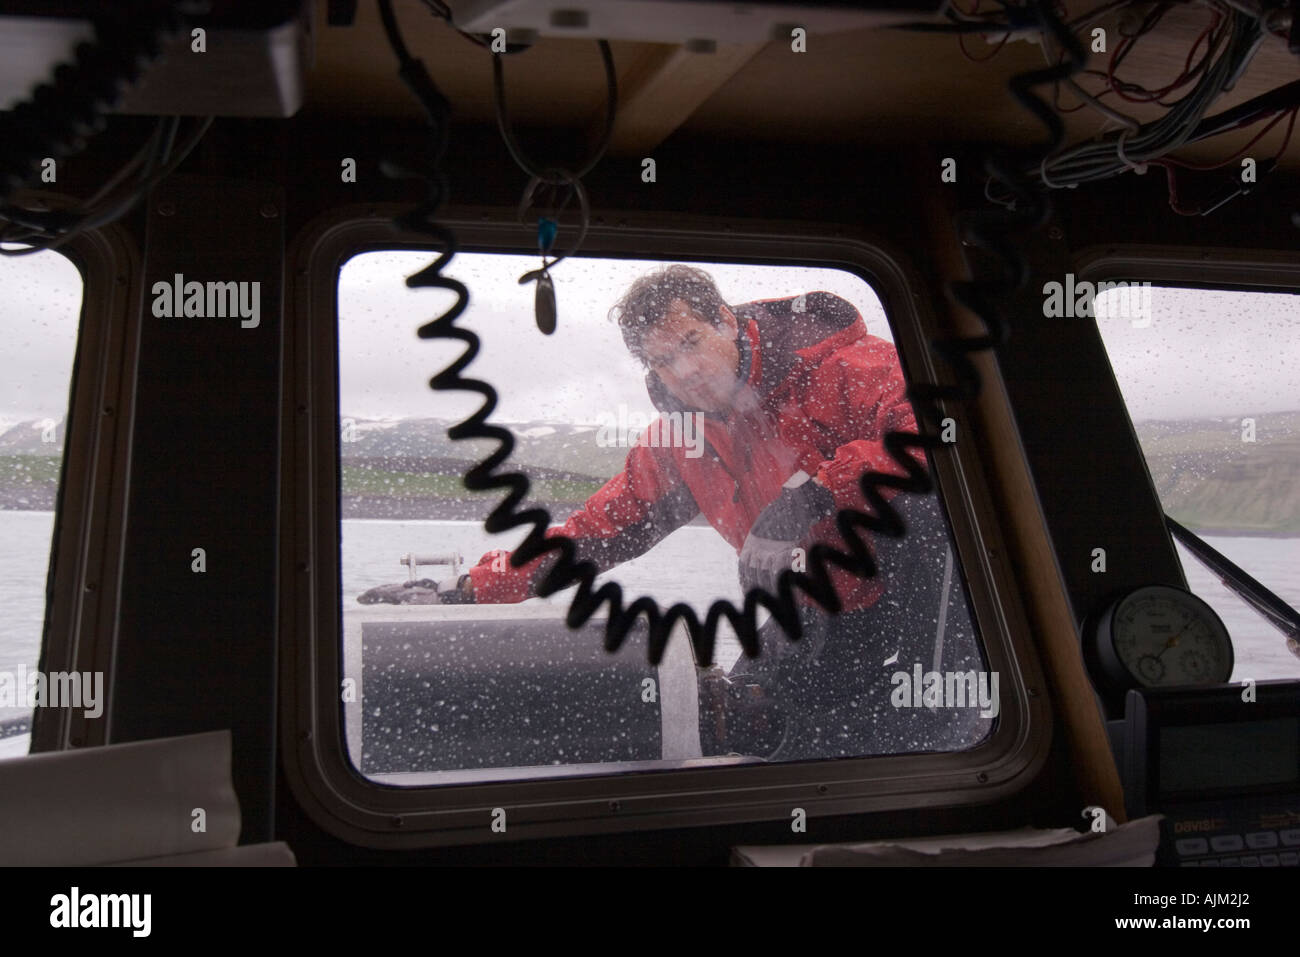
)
(426, 591)
(779, 530)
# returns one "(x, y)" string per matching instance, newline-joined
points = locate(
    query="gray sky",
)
(575, 375)
(1207, 353)
(41, 302)
(1204, 353)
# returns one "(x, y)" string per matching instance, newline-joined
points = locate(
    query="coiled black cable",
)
(990, 230)
(60, 115)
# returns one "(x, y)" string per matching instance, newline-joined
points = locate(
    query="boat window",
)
(693, 427)
(1209, 378)
(40, 313)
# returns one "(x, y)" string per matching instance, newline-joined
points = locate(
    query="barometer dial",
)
(1160, 635)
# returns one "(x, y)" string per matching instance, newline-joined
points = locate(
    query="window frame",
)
(363, 812)
(1268, 270)
(85, 567)
(1214, 269)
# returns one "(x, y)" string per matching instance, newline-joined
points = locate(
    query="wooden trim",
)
(663, 88)
(1033, 558)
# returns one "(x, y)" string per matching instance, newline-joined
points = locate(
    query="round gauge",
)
(1158, 635)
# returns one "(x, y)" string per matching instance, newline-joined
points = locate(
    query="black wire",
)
(53, 229)
(394, 33)
(962, 26)
(989, 230)
(58, 227)
(443, 12)
(141, 157)
(1277, 100)
(503, 119)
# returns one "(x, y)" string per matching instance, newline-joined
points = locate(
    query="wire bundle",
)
(1213, 63)
(1138, 143)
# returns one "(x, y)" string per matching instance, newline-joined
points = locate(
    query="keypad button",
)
(1251, 861)
(1261, 839)
(1226, 842)
(1189, 864)
(1229, 862)
(1291, 837)
(1268, 860)
(1189, 846)
(1210, 863)
(1290, 858)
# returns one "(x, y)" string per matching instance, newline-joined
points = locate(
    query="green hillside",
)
(29, 482)
(1212, 481)
(432, 485)
(1207, 477)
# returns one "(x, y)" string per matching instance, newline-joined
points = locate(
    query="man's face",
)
(695, 359)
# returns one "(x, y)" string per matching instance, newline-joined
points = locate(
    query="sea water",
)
(693, 564)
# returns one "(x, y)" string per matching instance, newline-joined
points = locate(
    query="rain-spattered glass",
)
(696, 448)
(40, 309)
(1211, 383)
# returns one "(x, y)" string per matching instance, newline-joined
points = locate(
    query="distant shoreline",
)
(358, 508)
(373, 508)
(417, 510)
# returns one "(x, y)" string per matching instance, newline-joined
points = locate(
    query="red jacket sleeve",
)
(858, 394)
(626, 517)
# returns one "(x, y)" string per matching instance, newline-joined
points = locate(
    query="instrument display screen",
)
(1237, 754)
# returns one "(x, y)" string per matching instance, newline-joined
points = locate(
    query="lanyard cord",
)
(548, 175)
(553, 177)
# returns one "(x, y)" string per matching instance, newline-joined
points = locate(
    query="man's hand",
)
(426, 591)
(779, 530)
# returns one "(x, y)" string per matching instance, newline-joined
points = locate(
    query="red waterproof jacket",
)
(820, 395)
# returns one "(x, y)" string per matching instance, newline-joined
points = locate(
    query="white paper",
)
(1131, 845)
(118, 803)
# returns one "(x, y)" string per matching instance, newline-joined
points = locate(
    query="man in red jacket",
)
(795, 398)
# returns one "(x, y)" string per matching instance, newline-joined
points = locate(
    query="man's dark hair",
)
(646, 302)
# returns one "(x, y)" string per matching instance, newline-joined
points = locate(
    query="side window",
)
(1211, 381)
(40, 309)
(686, 458)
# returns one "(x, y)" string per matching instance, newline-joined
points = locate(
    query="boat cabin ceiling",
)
(866, 129)
(868, 89)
